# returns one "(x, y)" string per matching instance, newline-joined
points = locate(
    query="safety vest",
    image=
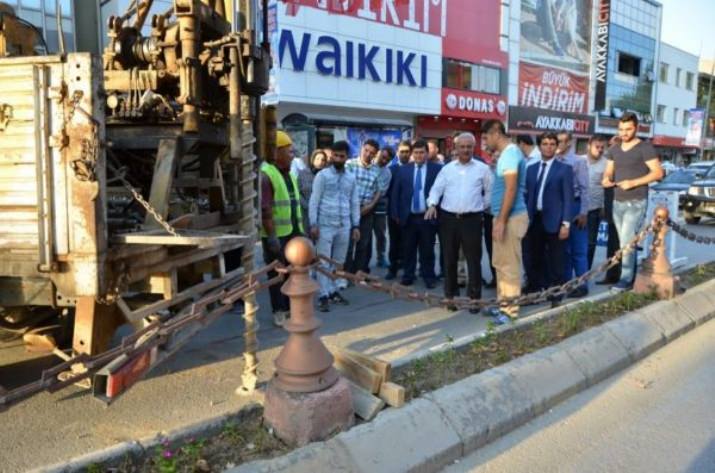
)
(281, 202)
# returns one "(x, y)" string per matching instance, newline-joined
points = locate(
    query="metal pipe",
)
(189, 36)
(60, 32)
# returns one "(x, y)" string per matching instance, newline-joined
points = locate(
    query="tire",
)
(691, 219)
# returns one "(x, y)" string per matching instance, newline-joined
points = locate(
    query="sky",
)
(690, 25)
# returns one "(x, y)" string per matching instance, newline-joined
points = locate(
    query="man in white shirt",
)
(461, 191)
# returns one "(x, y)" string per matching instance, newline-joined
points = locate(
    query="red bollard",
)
(307, 400)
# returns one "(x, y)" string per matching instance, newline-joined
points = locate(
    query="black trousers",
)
(613, 274)
(395, 252)
(461, 231)
(279, 301)
(419, 237)
(546, 256)
(359, 253)
(594, 221)
(487, 226)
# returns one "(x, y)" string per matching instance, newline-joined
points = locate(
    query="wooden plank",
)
(393, 394)
(382, 367)
(357, 373)
(365, 405)
(204, 241)
(167, 159)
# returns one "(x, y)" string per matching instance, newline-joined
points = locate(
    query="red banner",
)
(553, 89)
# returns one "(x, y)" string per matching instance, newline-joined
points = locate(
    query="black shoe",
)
(474, 311)
(337, 298)
(491, 284)
(323, 304)
(407, 282)
(606, 282)
(430, 284)
(452, 308)
(390, 276)
(555, 302)
(578, 293)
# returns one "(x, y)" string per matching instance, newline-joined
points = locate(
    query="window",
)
(678, 73)
(466, 76)
(660, 114)
(689, 78)
(629, 65)
(663, 72)
(686, 115)
(676, 112)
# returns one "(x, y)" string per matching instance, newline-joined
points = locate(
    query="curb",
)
(433, 431)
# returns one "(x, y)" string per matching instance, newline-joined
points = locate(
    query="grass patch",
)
(452, 365)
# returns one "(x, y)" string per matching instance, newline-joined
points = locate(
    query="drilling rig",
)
(129, 182)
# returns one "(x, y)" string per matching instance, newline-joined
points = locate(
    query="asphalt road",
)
(656, 417)
(199, 381)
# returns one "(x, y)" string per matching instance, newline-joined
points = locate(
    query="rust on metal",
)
(656, 273)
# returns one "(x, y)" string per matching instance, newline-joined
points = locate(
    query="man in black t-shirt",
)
(631, 166)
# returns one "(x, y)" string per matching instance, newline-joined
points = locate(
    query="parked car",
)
(699, 168)
(700, 200)
(678, 181)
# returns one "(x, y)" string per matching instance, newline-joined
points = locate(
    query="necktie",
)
(416, 201)
(540, 177)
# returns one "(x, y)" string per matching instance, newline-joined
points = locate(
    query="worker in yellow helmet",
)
(280, 215)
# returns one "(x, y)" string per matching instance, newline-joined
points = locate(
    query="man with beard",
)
(631, 166)
(334, 214)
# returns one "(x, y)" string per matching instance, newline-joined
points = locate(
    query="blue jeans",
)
(628, 217)
(576, 257)
(332, 242)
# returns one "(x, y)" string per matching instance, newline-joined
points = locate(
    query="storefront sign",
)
(536, 120)
(696, 121)
(426, 16)
(466, 104)
(549, 88)
(354, 59)
(602, 35)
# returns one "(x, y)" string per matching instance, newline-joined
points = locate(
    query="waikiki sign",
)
(352, 59)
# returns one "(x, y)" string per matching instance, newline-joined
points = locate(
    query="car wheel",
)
(691, 219)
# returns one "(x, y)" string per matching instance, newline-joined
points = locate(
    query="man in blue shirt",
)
(510, 218)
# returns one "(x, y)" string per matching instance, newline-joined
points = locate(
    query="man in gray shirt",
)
(596, 201)
(577, 245)
(632, 165)
(334, 214)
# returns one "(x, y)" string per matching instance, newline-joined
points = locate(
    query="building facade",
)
(676, 95)
(706, 102)
(385, 70)
(43, 14)
(626, 52)
(550, 63)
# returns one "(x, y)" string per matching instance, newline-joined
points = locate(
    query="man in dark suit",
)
(404, 150)
(408, 203)
(549, 194)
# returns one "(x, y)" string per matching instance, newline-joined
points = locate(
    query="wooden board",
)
(357, 373)
(365, 405)
(393, 394)
(384, 368)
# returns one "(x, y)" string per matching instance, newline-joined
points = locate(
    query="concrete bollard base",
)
(665, 284)
(301, 418)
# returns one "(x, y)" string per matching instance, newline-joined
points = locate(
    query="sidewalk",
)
(199, 382)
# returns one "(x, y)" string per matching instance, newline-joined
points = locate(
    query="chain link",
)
(147, 206)
(399, 291)
(158, 332)
(688, 235)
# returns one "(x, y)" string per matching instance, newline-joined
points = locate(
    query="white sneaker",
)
(279, 318)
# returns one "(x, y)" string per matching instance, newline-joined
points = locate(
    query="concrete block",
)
(484, 406)
(637, 333)
(415, 438)
(547, 377)
(672, 319)
(699, 303)
(301, 418)
(597, 352)
(313, 458)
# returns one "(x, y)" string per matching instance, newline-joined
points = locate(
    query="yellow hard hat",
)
(282, 139)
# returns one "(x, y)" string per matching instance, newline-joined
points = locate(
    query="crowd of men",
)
(536, 206)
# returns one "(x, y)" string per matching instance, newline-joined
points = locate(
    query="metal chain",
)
(159, 332)
(399, 291)
(688, 235)
(147, 206)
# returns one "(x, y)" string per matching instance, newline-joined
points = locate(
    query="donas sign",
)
(465, 104)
